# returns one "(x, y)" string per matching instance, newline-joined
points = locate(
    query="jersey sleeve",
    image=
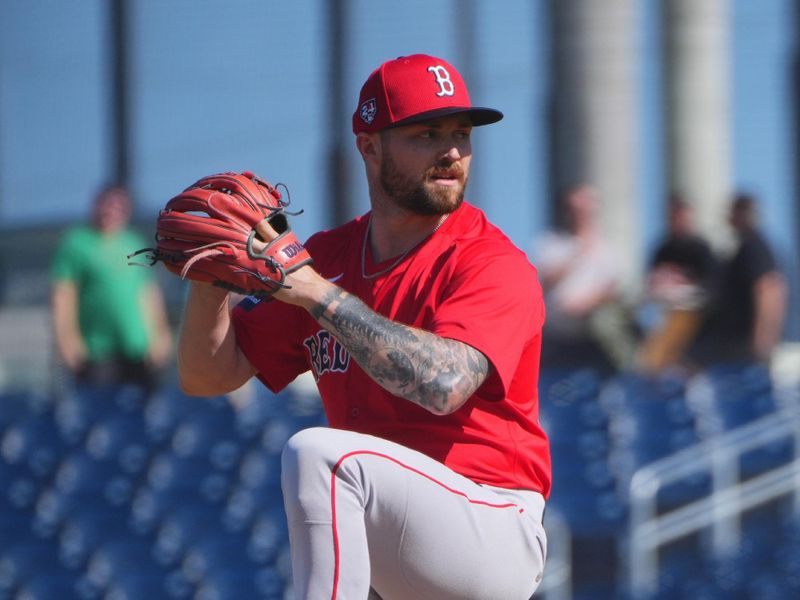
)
(759, 259)
(66, 261)
(493, 303)
(270, 333)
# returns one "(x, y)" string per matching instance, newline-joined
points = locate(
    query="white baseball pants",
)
(369, 518)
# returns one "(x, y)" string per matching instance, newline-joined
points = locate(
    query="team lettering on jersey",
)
(326, 354)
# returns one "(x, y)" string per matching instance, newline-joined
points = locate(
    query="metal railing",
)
(721, 510)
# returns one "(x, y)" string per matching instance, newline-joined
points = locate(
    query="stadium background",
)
(156, 94)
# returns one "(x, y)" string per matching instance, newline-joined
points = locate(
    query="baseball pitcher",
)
(420, 321)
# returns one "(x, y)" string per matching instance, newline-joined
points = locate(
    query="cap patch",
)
(369, 108)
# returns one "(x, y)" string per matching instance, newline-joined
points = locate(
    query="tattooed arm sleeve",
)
(436, 373)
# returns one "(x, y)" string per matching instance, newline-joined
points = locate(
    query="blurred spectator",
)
(109, 318)
(745, 322)
(679, 280)
(581, 278)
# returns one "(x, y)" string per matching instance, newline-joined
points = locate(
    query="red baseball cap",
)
(415, 88)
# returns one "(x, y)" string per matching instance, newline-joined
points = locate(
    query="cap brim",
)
(477, 114)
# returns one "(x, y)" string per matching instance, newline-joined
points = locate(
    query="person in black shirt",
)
(745, 322)
(680, 277)
(683, 256)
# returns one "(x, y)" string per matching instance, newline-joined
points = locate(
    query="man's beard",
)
(415, 196)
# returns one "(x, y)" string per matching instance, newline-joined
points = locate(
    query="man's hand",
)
(69, 341)
(304, 286)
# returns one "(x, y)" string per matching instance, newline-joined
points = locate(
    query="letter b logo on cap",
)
(446, 87)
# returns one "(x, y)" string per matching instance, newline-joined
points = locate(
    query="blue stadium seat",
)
(27, 564)
(191, 475)
(225, 455)
(771, 544)
(742, 392)
(79, 483)
(276, 417)
(86, 528)
(177, 586)
(573, 418)
(570, 400)
(80, 474)
(209, 419)
(585, 487)
(270, 584)
(772, 455)
(48, 584)
(243, 506)
(114, 432)
(763, 566)
(276, 434)
(682, 564)
(14, 527)
(662, 420)
(115, 559)
(164, 411)
(139, 584)
(656, 420)
(131, 398)
(170, 471)
(171, 483)
(214, 555)
(160, 496)
(31, 446)
(240, 508)
(259, 469)
(584, 475)
(302, 403)
(252, 417)
(149, 505)
(239, 583)
(51, 510)
(770, 586)
(92, 401)
(181, 527)
(84, 406)
(590, 514)
(170, 408)
(18, 495)
(73, 418)
(268, 535)
(14, 406)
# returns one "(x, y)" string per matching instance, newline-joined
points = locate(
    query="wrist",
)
(307, 288)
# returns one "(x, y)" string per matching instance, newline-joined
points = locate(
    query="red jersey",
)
(466, 282)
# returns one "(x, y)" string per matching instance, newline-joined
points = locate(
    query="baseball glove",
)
(208, 233)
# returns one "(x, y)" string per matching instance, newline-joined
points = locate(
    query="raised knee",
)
(308, 446)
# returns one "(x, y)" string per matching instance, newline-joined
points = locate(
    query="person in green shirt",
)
(109, 319)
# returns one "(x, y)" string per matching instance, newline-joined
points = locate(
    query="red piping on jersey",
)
(405, 466)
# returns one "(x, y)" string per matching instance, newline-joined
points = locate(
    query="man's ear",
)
(368, 146)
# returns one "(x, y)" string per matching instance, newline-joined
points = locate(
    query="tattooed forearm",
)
(436, 373)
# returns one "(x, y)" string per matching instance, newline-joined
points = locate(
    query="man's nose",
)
(451, 154)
